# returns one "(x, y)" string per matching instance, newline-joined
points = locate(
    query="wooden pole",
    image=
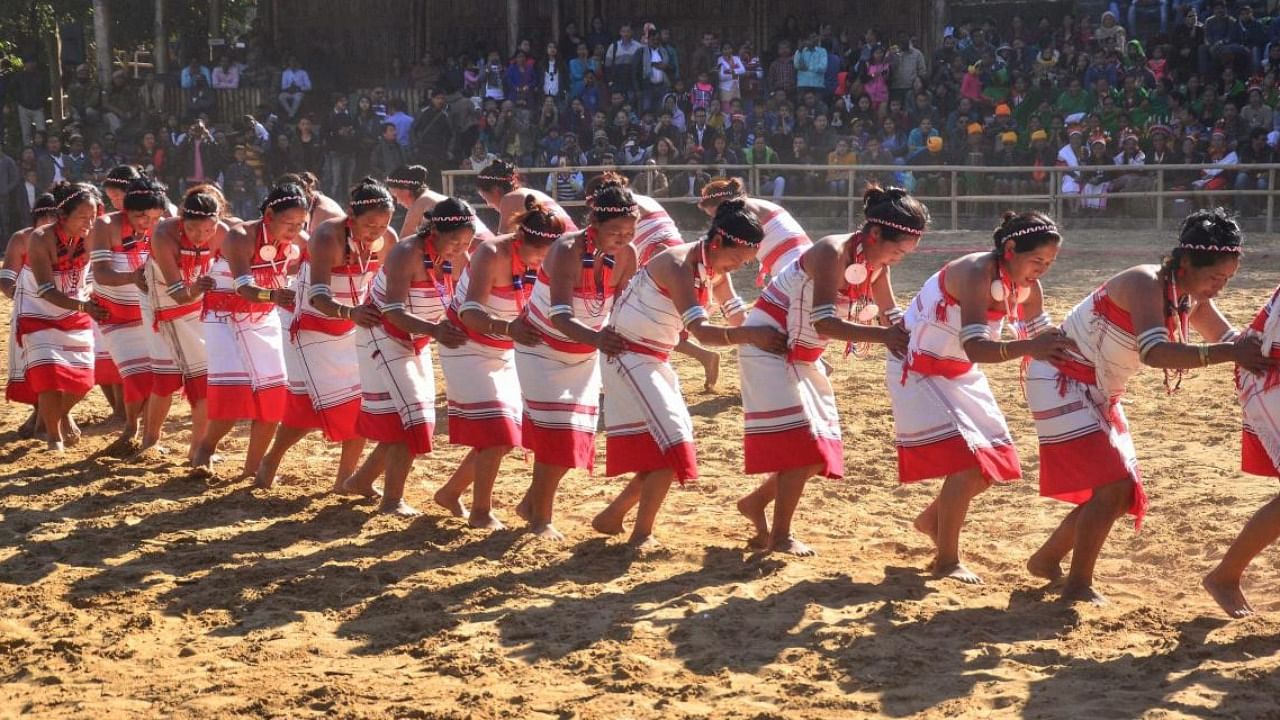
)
(215, 18)
(513, 26)
(556, 23)
(56, 98)
(102, 42)
(161, 40)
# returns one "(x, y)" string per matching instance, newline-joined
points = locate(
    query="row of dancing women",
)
(317, 317)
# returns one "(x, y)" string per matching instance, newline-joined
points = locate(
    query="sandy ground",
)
(130, 590)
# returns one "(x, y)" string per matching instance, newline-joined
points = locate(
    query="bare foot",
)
(452, 503)
(202, 464)
(399, 508)
(607, 524)
(956, 571)
(546, 531)
(484, 520)
(755, 513)
(1043, 567)
(70, 431)
(123, 447)
(1228, 595)
(55, 446)
(264, 478)
(644, 543)
(346, 486)
(792, 546)
(1086, 594)
(929, 530)
(711, 367)
(524, 510)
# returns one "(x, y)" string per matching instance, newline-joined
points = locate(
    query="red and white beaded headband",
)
(116, 181)
(371, 201)
(499, 178)
(187, 212)
(71, 197)
(1213, 248)
(721, 194)
(540, 233)
(731, 239)
(1032, 230)
(287, 198)
(453, 219)
(614, 209)
(401, 183)
(135, 193)
(896, 226)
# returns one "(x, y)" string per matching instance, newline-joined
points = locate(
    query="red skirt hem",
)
(640, 453)
(137, 386)
(338, 422)
(1254, 458)
(105, 372)
(20, 392)
(558, 446)
(952, 455)
(387, 428)
(241, 402)
(1066, 475)
(789, 449)
(481, 434)
(52, 377)
(165, 384)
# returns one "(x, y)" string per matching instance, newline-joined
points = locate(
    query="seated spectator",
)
(651, 181)
(840, 159)
(84, 98)
(199, 100)
(295, 83)
(241, 183)
(226, 76)
(194, 69)
(564, 183)
(1256, 152)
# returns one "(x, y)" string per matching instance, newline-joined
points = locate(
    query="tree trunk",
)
(513, 26)
(57, 108)
(215, 18)
(102, 42)
(161, 54)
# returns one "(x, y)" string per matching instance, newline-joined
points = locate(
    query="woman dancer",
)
(320, 354)
(649, 428)
(655, 232)
(44, 211)
(839, 290)
(408, 185)
(784, 239)
(412, 290)
(499, 185)
(483, 387)
(1139, 316)
(242, 329)
(177, 277)
(560, 375)
(945, 417)
(118, 248)
(54, 313)
(1260, 455)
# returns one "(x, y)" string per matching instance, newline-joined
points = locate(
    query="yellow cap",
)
(1002, 110)
(934, 143)
(975, 129)
(1010, 138)
(1039, 135)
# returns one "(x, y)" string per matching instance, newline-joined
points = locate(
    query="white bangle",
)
(556, 310)
(243, 281)
(733, 306)
(392, 307)
(319, 290)
(100, 256)
(697, 312)
(1148, 340)
(44, 288)
(471, 305)
(1037, 324)
(1231, 335)
(822, 312)
(974, 331)
(176, 288)
(7, 274)
(894, 315)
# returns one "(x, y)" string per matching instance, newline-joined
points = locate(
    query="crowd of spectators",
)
(1146, 82)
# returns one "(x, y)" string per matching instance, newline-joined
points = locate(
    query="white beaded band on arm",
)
(697, 312)
(175, 288)
(392, 307)
(242, 281)
(822, 312)
(319, 290)
(974, 331)
(1231, 335)
(557, 310)
(471, 305)
(1149, 339)
(100, 256)
(1037, 324)
(894, 315)
(733, 306)
(9, 275)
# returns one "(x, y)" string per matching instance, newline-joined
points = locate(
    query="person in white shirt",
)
(226, 76)
(295, 83)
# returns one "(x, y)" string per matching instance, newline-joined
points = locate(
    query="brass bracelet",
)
(264, 295)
